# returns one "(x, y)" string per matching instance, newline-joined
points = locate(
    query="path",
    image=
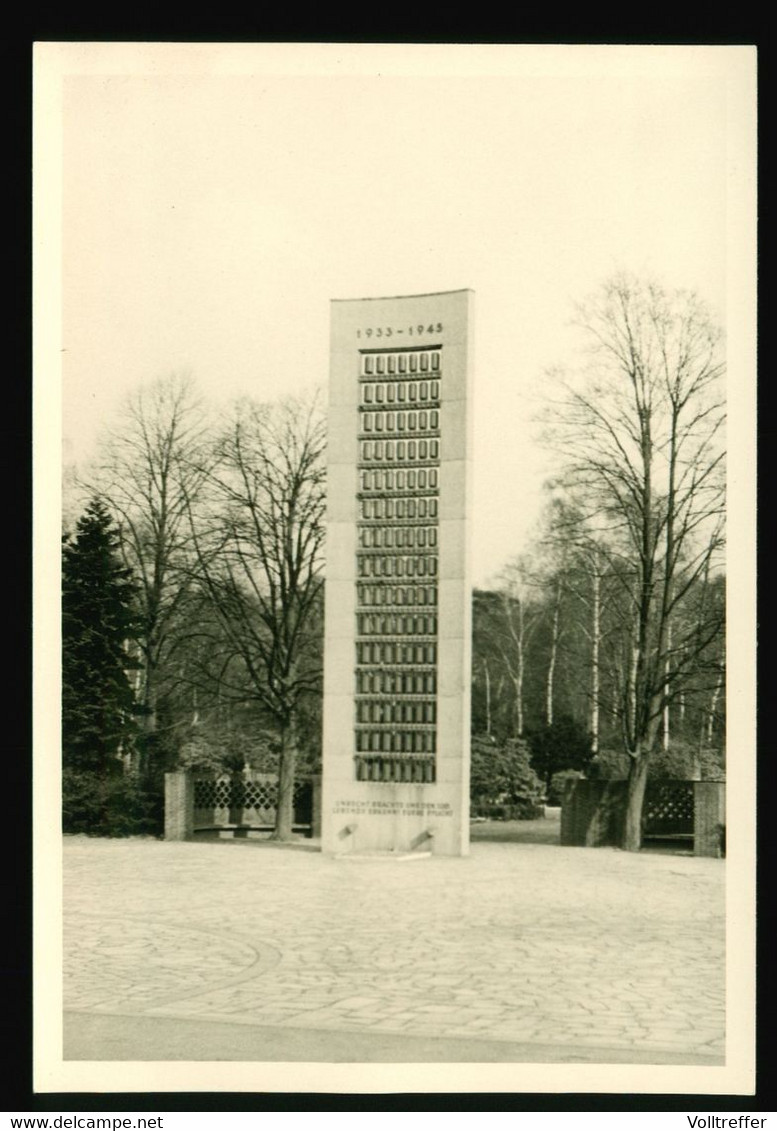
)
(532, 950)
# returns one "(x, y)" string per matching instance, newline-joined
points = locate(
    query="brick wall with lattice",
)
(686, 811)
(668, 809)
(243, 800)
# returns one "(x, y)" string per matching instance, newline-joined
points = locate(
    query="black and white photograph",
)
(394, 419)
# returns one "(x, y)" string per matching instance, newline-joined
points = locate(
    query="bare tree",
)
(259, 544)
(150, 469)
(641, 438)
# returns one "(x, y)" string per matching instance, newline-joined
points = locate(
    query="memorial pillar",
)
(397, 658)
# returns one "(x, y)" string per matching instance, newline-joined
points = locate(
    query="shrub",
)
(684, 760)
(502, 782)
(201, 755)
(609, 764)
(564, 745)
(116, 805)
(211, 749)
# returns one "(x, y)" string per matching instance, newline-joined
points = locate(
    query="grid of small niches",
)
(398, 537)
(395, 768)
(399, 451)
(391, 566)
(423, 420)
(396, 652)
(413, 682)
(396, 595)
(404, 363)
(387, 479)
(388, 712)
(396, 687)
(397, 531)
(387, 740)
(398, 509)
(396, 624)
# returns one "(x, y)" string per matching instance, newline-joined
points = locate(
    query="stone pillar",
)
(709, 818)
(397, 664)
(179, 806)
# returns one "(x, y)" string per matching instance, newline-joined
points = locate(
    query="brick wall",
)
(592, 815)
(210, 801)
(709, 818)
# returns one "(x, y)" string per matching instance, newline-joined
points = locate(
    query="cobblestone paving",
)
(525, 943)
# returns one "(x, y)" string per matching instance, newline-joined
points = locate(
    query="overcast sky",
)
(214, 201)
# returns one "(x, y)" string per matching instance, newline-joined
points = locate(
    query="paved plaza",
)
(522, 952)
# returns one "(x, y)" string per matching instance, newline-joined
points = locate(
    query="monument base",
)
(396, 857)
(394, 819)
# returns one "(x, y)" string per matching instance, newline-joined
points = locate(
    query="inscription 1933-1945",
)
(390, 331)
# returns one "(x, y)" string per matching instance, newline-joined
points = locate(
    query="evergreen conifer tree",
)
(98, 620)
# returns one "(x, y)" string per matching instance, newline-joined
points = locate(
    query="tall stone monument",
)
(398, 621)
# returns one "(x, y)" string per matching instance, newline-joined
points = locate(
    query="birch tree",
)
(520, 617)
(578, 570)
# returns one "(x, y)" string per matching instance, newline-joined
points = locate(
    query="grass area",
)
(544, 830)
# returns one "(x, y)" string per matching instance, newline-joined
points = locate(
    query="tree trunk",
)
(665, 713)
(147, 751)
(681, 701)
(713, 707)
(500, 696)
(553, 655)
(284, 811)
(488, 697)
(518, 683)
(130, 755)
(635, 796)
(595, 679)
(632, 701)
(150, 666)
(519, 676)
